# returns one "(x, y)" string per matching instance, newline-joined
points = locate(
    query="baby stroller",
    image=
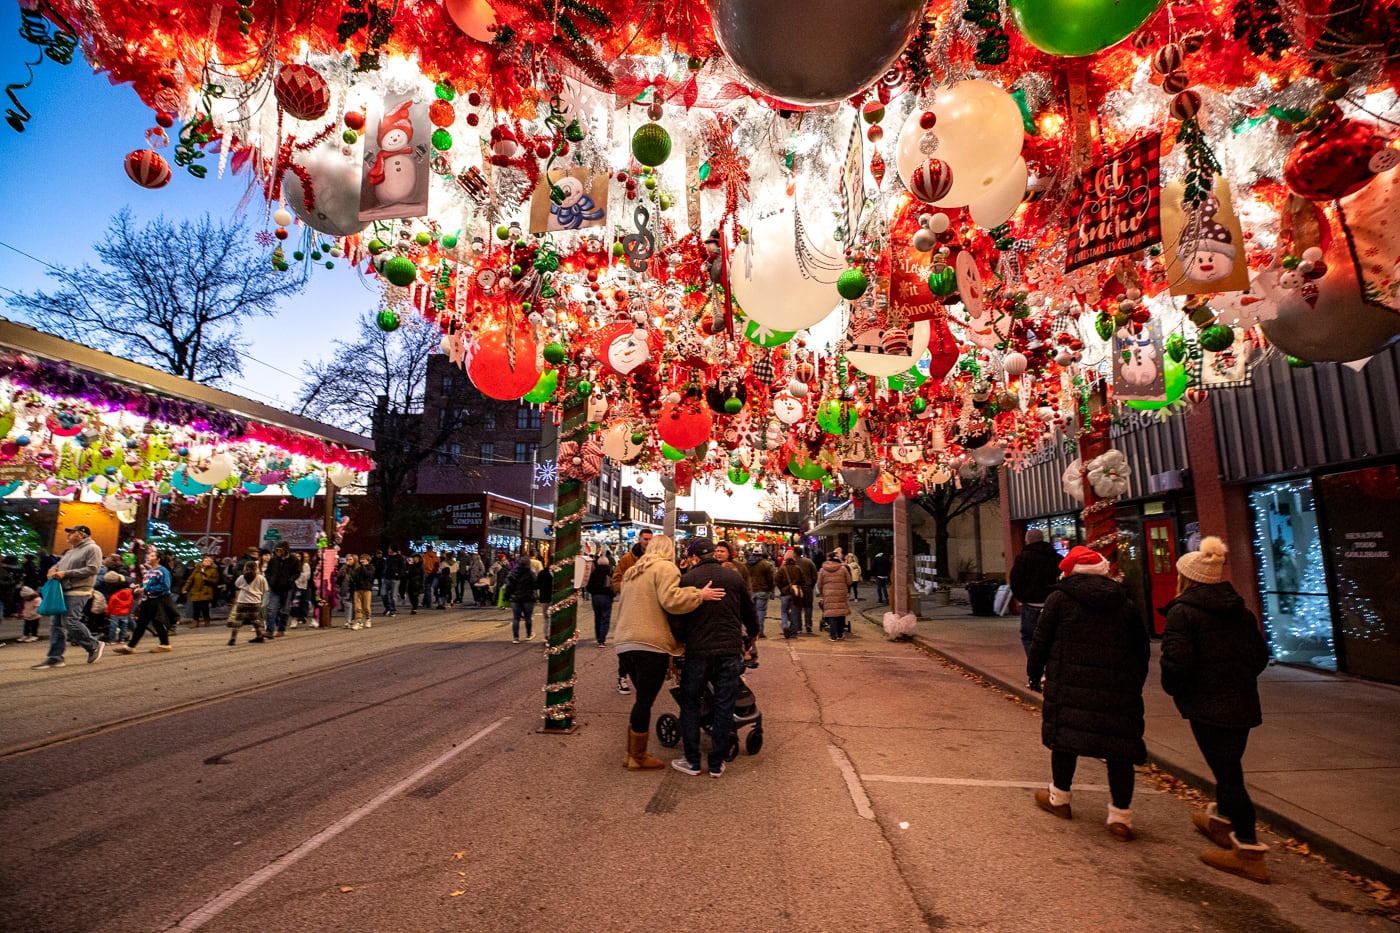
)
(746, 716)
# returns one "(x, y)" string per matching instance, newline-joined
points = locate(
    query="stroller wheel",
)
(754, 742)
(668, 730)
(733, 749)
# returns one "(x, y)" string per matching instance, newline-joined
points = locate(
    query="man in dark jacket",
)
(281, 573)
(522, 586)
(389, 582)
(809, 570)
(1035, 571)
(880, 573)
(714, 654)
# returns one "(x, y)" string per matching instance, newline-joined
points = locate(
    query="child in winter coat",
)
(29, 612)
(248, 603)
(119, 603)
(95, 614)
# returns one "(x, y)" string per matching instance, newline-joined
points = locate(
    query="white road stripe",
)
(247, 886)
(853, 784)
(978, 782)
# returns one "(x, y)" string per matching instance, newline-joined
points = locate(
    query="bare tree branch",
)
(174, 297)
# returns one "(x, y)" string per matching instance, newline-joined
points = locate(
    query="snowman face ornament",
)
(787, 409)
(628, 351)
(1384, 160)
(1208, 262)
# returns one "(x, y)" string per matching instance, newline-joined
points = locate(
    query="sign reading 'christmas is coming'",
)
(1116, 207)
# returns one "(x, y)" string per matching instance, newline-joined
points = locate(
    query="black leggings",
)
(152, 614)
(1223, 748)
(1120, 776)
(648, 672)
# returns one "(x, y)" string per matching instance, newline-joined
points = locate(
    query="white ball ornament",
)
(1014, 363)
(939, 223)
(282, 217)
(1312, 254)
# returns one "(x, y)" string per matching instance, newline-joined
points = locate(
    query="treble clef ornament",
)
(639, 247)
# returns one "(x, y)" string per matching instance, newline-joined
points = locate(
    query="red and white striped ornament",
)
(931, 180)
(147, 168)
(302, 92)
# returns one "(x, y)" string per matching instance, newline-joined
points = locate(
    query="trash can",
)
(982, 597)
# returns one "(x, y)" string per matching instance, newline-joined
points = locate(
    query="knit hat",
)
(112, 576)
(28, 592)
(1206, 565)
(1082, 560)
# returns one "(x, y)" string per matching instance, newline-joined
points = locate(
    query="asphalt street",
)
(393, 780)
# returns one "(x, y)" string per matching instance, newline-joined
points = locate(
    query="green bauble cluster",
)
(651, 144)
(1216, 337)
(387, 320)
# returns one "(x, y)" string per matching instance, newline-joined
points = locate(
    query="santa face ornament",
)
(628, 351)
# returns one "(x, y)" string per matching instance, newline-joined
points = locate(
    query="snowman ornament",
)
(394, 173)
(1209, 253)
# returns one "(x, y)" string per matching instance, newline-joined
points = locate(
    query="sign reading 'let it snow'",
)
(1116, 207)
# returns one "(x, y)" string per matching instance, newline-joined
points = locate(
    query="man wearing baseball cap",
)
(76, 571)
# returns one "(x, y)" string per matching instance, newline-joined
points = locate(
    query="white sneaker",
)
(369, 623)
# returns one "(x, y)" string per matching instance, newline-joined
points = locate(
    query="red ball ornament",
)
(1334, 161)
(164, 120)
(1185, 105)
(1167, 59)
(931, 180)
(441, 113)
(927, 119)
(302, 92)
(491, 371)
(355, 119)
(684, 424)
(147, 168)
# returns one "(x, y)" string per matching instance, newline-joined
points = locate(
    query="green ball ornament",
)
(544, 389)
(943, 282)
(732, 406)
(639, 437)
(449, 241)
(1074, 28)
(852, 284)
(503, 232)
(739, 476)
(671, 453)
(422, 238)
(350, 136)
(555, 353)
(376, 247)
(444, 91)
(442, 140)
(802, 468)
(1176, 347)
(387, 321)
(617, 251)
(1216, 337)
(400, 271)
(586, 388)
(651, 144)
(918, 406)
(836, 417)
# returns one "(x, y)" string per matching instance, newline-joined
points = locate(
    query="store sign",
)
(463, 517)
(213, 544)
(1116, 207)
(1363, 512)
(300, 534)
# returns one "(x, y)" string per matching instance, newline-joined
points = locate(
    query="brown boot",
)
(1247, 861)
(637, 757)
(1056, 801)
(1214, 826)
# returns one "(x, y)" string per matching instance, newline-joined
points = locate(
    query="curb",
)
(1336, 852)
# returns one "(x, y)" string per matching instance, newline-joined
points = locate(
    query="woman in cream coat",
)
(651, 588)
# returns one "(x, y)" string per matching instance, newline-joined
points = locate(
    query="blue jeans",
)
(1030, 616)
(118, 628)
(71, 622)
(386, 592)
(277, 606)
(723, 674)
(519, 609)
(791, 611)
(882, 589)
(760, 609)
(602, 615)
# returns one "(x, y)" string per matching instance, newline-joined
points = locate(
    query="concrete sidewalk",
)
(1324, 767)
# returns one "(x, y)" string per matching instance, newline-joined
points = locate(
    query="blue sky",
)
(61, 180)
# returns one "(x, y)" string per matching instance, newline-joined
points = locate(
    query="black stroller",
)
(746, 716)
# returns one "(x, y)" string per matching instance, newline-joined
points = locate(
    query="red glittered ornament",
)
(1335, 161)
(684, 424)
(147, 168)
(302, 92)
(498, 372)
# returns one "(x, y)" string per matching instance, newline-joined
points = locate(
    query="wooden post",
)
(899, 563)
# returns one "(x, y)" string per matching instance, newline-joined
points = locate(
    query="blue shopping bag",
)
(51, 601)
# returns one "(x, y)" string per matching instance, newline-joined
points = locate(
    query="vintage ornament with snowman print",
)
(396, 175)
(1205, 245)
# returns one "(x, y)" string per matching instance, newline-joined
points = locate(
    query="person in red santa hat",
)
(1092, 648)
(394, 174)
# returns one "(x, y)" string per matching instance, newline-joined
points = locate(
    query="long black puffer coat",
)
(1212, 653)
(1093, 650)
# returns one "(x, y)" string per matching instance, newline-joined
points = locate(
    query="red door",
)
(1161, 567)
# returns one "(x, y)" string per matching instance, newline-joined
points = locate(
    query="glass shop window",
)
(1292, 575)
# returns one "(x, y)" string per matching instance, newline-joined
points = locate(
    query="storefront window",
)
(1292, 576)
(1063, 531)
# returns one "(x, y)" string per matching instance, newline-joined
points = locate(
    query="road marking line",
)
(853, 784)
(978, 782)
(218, 905)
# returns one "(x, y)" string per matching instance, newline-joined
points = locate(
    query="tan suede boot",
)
(637, 757)
(1247, 861)
(1214, 826)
